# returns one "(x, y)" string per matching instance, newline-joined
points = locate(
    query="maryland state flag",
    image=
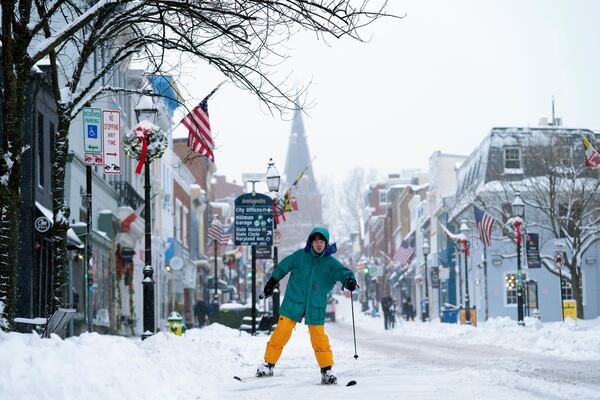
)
(287, 207)
(592, 157)
(290, 203)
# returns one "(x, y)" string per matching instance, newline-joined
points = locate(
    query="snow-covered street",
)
(415, 360)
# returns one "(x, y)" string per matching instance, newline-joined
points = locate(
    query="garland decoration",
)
(145, 141)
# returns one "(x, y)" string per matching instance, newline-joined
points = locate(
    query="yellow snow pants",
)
(283, 332)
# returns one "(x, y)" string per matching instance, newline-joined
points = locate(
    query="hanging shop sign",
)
(42, 224)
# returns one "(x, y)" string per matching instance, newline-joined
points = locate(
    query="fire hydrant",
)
(176, 325)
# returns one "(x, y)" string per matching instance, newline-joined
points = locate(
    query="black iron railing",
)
(127, 194)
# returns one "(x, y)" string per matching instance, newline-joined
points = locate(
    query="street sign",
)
(559, 262)
(253, 220)
(376, 270)
(92, 136)
(176, 263)
(42, 224)
(263, 252)
(276, 237)
(111, 132)
(570, 309)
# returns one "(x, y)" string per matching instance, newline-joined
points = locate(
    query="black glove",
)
(270, 285)
(351, 284)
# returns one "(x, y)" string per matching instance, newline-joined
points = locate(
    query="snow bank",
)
(574, 340)
(94, 366)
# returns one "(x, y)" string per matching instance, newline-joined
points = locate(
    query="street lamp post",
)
(426, 250)
(518, 208)
(146, 111)
(273, 182)
(464, 229)
(365, 272)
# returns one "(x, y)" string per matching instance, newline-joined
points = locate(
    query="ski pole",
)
(353, 329)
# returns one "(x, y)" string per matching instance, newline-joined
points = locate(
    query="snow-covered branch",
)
(42, 48)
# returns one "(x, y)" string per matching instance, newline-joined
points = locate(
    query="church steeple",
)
(298, 155)
(309, 214)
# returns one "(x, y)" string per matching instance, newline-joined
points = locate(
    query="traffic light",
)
(511, 281)
(366, 270)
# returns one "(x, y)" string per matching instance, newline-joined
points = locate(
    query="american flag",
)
(404, 253)
(198, 125)
(484, 223)
(219, 232)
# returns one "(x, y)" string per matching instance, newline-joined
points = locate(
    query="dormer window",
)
(512, 159)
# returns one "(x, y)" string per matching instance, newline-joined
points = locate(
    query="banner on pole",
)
(533, 251)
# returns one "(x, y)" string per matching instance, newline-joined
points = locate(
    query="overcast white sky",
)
(439, 79)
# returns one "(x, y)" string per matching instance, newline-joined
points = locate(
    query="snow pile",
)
(200, 364)
(94, 366)
(574, 340)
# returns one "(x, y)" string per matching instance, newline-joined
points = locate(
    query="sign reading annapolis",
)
(253, 220)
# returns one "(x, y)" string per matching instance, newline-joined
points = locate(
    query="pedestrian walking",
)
(386, 306)
(408, 310)
(200, 311)
(313, 273)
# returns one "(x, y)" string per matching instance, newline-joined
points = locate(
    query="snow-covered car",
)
(330, 308)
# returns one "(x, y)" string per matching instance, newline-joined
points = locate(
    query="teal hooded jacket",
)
(312, 276)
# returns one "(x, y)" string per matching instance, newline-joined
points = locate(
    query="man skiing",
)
(313, 273)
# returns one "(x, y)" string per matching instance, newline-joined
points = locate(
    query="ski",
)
(349, 383)
(244, 379)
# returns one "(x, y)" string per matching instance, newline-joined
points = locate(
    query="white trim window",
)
(566, 288)
(512, 160)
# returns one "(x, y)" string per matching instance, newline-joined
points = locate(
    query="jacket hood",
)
(329, 248)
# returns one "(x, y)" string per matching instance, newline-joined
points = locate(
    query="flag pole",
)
(216, 297)
(485, 279)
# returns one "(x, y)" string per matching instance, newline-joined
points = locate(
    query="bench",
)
(56, 324)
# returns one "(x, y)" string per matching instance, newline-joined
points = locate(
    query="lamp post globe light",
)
(137, 146)
(273, 178)
(426, 249)
(273, 182)
(518, 208)
(464, 229)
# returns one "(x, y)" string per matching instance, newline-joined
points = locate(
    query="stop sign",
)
(559, 262)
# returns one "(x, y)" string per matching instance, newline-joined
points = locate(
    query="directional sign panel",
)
(253, 220)
(92, 135)
(111, 130)
(376, 270)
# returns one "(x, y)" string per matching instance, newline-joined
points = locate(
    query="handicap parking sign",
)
(93, 131)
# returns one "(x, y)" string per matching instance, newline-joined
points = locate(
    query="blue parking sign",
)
(93, 131)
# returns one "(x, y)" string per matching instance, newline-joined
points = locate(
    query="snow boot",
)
(327, 376)
(265, 369)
